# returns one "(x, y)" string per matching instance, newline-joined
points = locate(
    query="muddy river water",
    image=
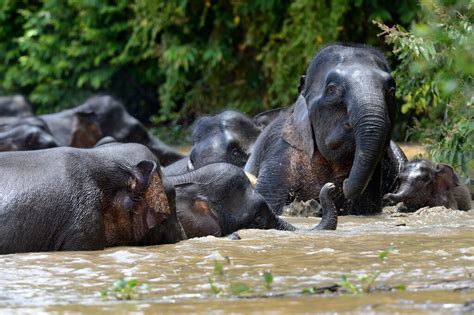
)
(432, 256)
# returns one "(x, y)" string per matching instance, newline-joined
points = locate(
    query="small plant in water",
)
(221, 283)
(123, 289)
(366, 282)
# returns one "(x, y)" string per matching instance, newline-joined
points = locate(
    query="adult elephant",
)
(108, 117)
(84, 199)
(218, 199)
(25, 133)
(337, 131)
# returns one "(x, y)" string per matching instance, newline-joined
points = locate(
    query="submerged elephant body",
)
(423, 183)
(104, 116)
(337, 131)
(76, 199)
(218, 199)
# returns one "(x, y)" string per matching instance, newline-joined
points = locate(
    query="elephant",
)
(338, 130)
(25, 133)
(423, 183)
(108, 117)
(227, 137)
(218, 199)
(85, 199)
(15, 106)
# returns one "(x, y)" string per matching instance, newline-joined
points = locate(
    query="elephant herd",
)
(93, 177)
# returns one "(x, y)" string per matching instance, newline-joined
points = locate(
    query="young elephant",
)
(423, 183)
(84, 199)
(337, 131)
(218, 200)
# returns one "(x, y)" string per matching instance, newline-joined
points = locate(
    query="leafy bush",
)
(179, 58)
(435, 78)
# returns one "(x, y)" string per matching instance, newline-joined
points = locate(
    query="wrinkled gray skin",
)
(15, 105)
(423, 183)
(84, 199)
(227, 137)
(218, 200)
(112, 119)
(25, 133)
(337, 131)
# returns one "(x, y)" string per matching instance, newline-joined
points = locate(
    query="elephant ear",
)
(446, 178)
(85, 130)
(297, 130)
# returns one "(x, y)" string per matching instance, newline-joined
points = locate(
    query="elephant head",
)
(345, 112)
(227, 137)
(25, 133)
(218, 199)
(423, 183)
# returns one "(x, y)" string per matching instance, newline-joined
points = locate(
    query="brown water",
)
(433, 257)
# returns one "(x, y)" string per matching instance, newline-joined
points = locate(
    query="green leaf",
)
(119, 284)
(132, 283)
(218, 268)
(268, 279)
(239, 288)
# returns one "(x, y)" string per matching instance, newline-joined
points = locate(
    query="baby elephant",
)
(84, 199)
(423, 183)
(218, 199)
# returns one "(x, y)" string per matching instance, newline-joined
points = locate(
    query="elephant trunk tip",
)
(351, 190)
(329, 218)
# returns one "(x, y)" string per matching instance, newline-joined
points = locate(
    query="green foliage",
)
(435, 78)
(124, 290)
(176, 59)
(366, 282)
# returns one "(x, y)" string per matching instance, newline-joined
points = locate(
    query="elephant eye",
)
(331, 88)
(391, 92)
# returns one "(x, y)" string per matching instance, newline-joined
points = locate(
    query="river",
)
(431, 254)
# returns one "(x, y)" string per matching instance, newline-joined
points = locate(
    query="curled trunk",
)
(372, 127)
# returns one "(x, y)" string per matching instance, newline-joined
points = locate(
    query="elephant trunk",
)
(372, 127)
(329, 217)
(400, 195)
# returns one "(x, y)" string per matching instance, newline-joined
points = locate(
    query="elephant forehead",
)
(360, 72)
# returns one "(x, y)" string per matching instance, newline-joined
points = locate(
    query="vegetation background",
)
(172, 61)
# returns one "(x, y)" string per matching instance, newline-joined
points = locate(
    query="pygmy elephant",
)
(337, 131)
(84, 199)
(25, 133)
(15, 106)
(105, 116)
(218, 199)
(423, 183)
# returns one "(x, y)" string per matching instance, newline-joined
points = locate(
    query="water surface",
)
(433, 257)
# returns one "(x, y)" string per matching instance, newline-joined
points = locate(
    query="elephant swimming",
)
(84, 199)
(218, 199)
(423, 183)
